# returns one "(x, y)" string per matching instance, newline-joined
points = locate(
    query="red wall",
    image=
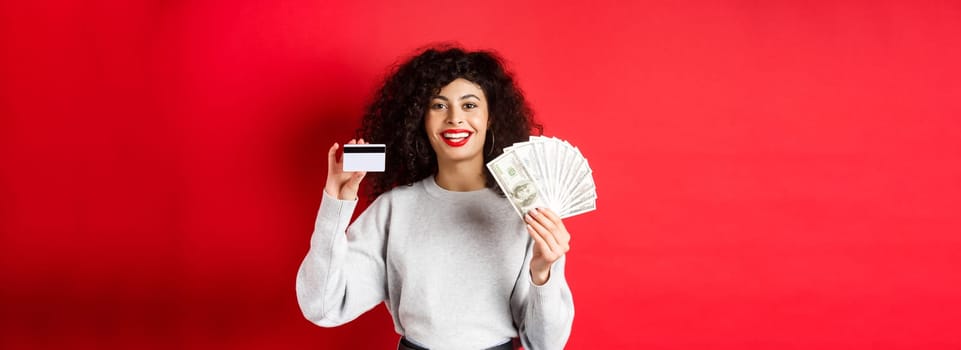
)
(770, 175)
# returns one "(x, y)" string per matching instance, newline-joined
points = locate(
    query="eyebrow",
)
(462, 97)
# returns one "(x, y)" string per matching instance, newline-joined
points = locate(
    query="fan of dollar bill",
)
(545, 172)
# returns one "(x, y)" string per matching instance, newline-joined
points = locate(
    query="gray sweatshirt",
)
(452, 268)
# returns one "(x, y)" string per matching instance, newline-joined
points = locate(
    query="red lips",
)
(456, 131)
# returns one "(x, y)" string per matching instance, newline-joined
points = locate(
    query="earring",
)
(492, 143)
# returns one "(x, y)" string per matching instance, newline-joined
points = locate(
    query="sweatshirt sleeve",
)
(344, 275)
(543, 314)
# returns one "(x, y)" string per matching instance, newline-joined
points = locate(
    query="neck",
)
(461, 176)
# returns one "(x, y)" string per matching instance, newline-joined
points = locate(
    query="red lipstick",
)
(459, 142)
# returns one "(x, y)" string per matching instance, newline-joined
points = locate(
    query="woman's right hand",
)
(340, 184)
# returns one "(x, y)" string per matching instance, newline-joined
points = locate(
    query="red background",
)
(771, 175)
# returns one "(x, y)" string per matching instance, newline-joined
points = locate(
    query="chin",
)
(459, 155)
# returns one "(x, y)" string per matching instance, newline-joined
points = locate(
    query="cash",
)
(545, 172)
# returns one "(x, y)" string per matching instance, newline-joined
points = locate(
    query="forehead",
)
(459, 88)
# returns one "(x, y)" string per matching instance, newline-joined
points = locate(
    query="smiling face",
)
(457, 122)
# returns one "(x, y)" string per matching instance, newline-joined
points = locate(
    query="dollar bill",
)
(519, 186)
(546, 172)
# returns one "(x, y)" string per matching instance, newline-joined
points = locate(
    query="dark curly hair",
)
(396, 115)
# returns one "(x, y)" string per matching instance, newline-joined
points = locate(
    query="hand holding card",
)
(343, 183)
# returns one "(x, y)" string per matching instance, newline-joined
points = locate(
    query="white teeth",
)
(459, 135)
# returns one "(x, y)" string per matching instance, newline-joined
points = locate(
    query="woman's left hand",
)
(551, 242)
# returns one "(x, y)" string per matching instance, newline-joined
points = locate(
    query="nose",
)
(455, 117)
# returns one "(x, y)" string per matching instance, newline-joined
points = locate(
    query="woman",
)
(440, 244)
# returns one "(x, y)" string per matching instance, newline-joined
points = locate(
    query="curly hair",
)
(396, 115)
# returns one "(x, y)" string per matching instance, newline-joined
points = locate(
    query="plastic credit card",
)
(369, 157)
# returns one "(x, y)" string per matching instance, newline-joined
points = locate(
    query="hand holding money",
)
(545, 180)
(551, 242)
(342, 184)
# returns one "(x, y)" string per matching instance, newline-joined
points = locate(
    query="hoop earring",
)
(492, 143)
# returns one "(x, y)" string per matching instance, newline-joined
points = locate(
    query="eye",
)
(470, 105)
(438, 106)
